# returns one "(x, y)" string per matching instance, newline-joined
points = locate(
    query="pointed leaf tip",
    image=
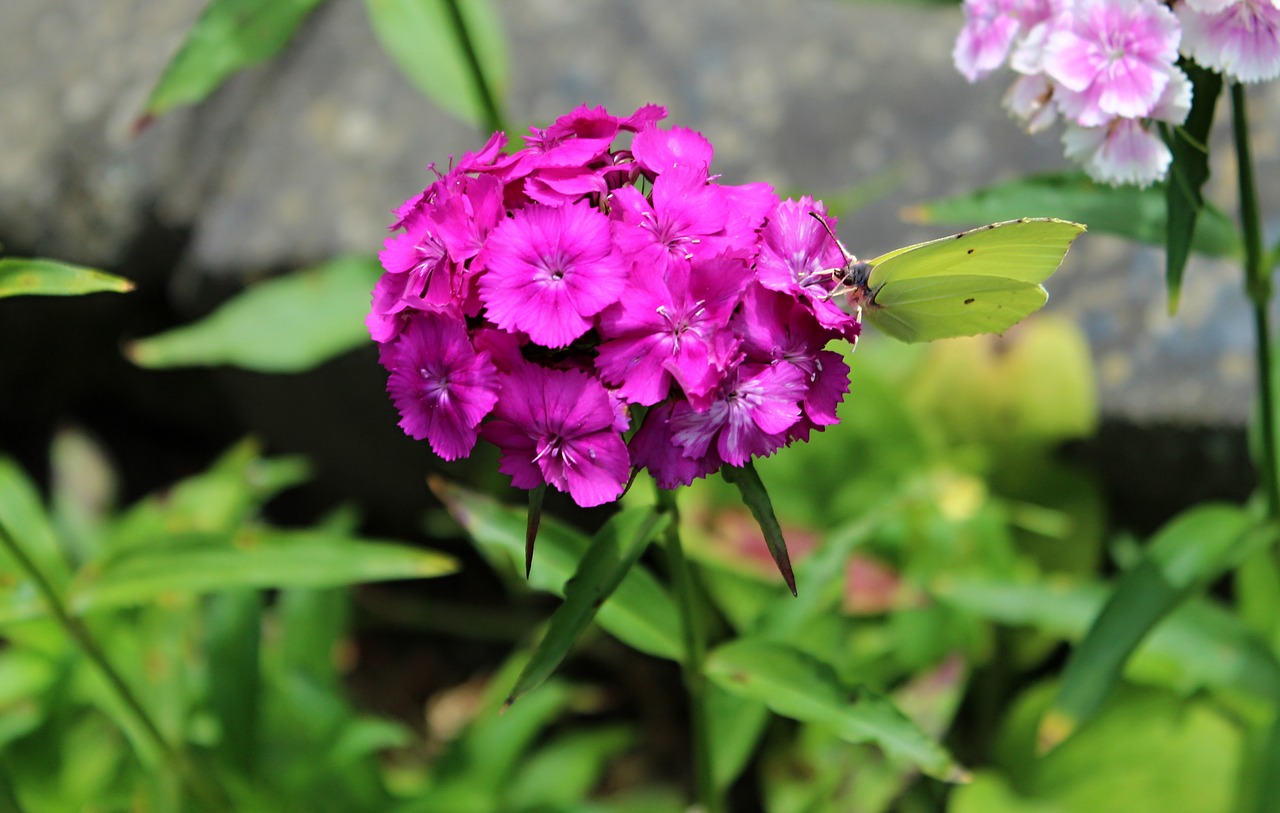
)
(1055, 728)
(756, 498)
(531, 526)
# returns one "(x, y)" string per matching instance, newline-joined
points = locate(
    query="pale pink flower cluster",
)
(1109, 68)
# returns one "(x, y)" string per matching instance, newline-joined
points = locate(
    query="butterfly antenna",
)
(827, 228)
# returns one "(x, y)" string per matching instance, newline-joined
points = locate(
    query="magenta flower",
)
(1241, 38)
(755, 407)
(658, 150)
(680, 223)
(558, 427)
(667, 327)
(441, 386)
(654, 449)
(988, 34)
(798, 257)
(533, 296)
(548, 270)
(776, 329)
(1111, 59)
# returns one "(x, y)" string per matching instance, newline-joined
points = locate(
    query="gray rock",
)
(303, 158)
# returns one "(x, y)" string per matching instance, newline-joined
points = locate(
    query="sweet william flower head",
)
(1240, 38)
(546, 297)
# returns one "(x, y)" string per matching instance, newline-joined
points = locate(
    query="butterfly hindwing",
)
(922, 310)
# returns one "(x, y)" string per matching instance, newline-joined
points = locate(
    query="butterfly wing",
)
(1026, 250)
(980, 281)
(943, 307)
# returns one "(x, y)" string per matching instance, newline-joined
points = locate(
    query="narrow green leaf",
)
(1172, 656)
(19, 277)
(233, 633)
(205, 562)
(23, 514)
(1127, 211)
(797, 685)
(1267, 795)
(756, 498)
(421, 36)
(613, 552)
(640, 612)
(229, 36)
(1188, 173)
(531, 524)
(735, 725)
(284, 325)
(561, 774)
(1191, 550)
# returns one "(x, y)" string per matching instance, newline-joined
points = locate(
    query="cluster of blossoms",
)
(536, 298)
(1110, 68)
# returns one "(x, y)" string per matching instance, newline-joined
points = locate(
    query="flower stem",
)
(695, 649)
(211, 796)
(1258, 287)
(493, 118)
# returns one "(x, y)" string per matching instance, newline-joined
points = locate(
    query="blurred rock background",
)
(302, 158)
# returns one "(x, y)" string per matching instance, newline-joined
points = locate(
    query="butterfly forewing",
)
(1026, 250)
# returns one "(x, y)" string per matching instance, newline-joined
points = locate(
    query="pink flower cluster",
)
(536, 297)
(1109, 68)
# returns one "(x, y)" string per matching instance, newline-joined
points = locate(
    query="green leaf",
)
(756, 498)
(613, 552)
(799, 686)
(19, 277)
(284, 325)
(423, 39)
(1126, 211)
(1146, 751)
(735, 725)
(1267, 795)
(208, 562)
(1174, 655)
(1188, 552)
(229, 36)
(640, 613)
(563, 772)
(233, 635)
(1188, 173)
(24, 516)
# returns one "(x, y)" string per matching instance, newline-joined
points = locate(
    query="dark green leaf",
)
(233, 633)
(640, 613)
(613, 552)
(1267, 796)
(20, 277)
(229, 36)
(1126, 211)
(799, 686)
(421, 36)
(1191, 550)
(284, 325)
(756, 498)
(1188, 173)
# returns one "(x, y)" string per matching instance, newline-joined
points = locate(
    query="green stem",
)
(493, 117)
(78, 632)
(1258, 288)
(695, 650)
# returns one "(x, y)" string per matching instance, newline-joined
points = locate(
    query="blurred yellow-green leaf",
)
(23, 277)
(229, 35)
(284, 325)
(424, 39)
